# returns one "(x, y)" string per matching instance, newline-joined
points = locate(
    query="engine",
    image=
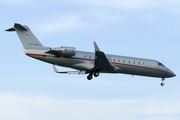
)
(68, 51)
(64, 51)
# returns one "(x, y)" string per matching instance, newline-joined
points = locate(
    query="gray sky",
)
(29, 89)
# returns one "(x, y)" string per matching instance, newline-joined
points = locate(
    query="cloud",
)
(166, 6)
(60, 23)
(89, 19)
(97, 14)
(15, 2)
(37, 107)
(121, 4)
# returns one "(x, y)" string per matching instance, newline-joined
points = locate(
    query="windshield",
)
(160, 64)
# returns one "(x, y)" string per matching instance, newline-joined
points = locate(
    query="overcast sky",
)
(30, 90)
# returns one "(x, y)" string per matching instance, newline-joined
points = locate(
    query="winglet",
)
(96, 47)
(55, 70)
(105, 65)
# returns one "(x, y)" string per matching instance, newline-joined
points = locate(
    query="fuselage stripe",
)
(93, 60)
(119, 64)
(35, 54)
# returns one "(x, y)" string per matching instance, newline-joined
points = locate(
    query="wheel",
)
(162, 84)
(89, 77)
(96, 74)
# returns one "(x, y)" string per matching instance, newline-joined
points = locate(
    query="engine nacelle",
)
(68, 51)
(63, 51)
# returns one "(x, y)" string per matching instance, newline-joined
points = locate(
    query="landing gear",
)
(89, 77)
(96, 74)
(162, 83)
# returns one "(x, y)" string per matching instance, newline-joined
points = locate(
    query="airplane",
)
(87, 62)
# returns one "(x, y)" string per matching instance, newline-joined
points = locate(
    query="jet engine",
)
(63, 51)
(68, 51)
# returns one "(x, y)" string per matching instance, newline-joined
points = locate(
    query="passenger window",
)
(90, 57)
(139, 62)
(129, 61)
(84, 56)
(134, 62)
(118, 60)
(114, 60)
(124, 61)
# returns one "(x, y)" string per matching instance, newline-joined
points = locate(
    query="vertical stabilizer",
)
(28, 39)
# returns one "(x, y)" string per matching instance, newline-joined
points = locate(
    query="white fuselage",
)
(85, 61)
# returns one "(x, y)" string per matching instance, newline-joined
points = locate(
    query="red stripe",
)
(35, 54)
(93, 60)
(139, 67)
(119, 64)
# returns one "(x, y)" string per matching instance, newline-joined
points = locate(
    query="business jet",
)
(86, 62)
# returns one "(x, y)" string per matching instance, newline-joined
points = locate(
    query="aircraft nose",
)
(171, 73)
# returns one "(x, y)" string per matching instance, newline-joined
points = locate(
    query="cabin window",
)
(129, 61)
(84, 56)
(118, 60)
(143, 63)
(109, 59)
(134, 62)
(124, 61)
(90, 57)
(114, 60)
(139, 62)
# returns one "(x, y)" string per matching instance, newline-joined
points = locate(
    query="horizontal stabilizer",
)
(18, 26)
(69, 72)
(10, 29)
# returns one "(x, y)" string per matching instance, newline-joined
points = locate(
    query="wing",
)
(69, 72)
(101, 62)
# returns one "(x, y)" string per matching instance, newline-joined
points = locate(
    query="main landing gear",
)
(162, 83)
(90, 76)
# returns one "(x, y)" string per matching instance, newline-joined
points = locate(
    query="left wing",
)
(101, 62)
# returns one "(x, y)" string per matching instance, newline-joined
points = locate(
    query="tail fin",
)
(28, 39)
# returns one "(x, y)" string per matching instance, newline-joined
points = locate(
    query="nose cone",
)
(171, 73)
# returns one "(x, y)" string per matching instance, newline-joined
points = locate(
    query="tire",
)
(96, 74)
(89, 77)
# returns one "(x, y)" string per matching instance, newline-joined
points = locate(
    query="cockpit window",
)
(160, 64)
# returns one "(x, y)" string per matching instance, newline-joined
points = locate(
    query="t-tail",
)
(28, 39)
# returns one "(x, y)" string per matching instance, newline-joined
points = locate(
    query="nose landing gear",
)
(162, 83)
